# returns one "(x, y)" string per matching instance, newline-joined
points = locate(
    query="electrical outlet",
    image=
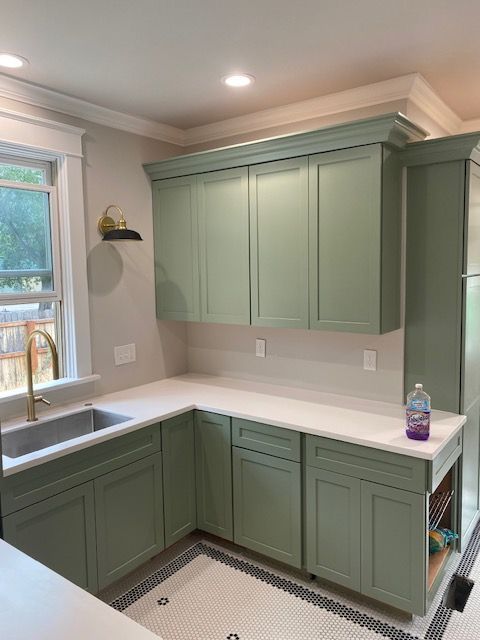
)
(124, 354)
(369, 360)
(260, 347)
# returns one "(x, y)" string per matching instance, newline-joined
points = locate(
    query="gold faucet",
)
(32, 399)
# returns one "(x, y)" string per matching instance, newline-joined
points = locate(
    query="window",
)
(30, 282)
(42, 218)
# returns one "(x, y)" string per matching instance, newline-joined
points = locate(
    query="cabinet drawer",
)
(265, 438)
(45, 480)
(384, 467)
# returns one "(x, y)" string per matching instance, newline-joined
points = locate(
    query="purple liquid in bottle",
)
(418, 414)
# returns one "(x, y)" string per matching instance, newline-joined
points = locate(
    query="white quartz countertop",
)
(359, 421)
(38, 604)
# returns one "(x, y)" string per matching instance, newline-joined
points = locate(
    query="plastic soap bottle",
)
(418, 414)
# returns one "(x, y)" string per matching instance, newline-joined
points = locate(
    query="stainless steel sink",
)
(39, 435)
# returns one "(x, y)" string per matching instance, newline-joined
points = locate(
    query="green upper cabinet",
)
(224, 246)
(59, 532)
(214, 474)
(279, 243)
(300, 231)
(175, 227)
(178, 449)
(354, 240)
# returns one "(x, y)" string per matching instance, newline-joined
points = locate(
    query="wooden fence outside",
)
(13, 337)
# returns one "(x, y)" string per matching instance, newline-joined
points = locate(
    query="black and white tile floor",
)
(200, 590)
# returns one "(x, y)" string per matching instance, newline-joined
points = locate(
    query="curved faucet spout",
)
(31, 398)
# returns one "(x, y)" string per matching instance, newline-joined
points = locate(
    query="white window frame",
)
(31, 138)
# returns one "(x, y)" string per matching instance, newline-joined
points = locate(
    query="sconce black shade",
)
(113, 231)
(122, 234)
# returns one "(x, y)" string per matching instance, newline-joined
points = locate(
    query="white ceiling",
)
(163, 60)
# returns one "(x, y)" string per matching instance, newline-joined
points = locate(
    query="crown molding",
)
(425, 98)
(412, 88)
(349, 100)
(37, 96)
(391, 128)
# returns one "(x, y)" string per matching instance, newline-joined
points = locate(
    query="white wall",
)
(121, 276)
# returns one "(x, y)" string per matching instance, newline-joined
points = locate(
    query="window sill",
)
(63, 383)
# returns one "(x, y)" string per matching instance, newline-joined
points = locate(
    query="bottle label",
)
(418, 421)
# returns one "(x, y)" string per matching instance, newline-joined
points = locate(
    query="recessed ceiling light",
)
(12, 61)
(238, 80)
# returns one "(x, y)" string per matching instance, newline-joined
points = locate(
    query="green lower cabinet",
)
(214, 474)
(129, 518)
(178, 450)
(470, 472)
(267, 505)
(333, 527)
(394, 546)
(60, 533)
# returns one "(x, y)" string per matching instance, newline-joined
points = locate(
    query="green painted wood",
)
(279, 243)
(333, 527)
(434, 258)
(394, 546)
(449, 149)
(178, 446)
(391, 246)
(345, 235)
(47, 479)
(367, 463)
(266, 438)
(470, 471)
(129, 518)
(266, 505)
(175, 227)
(60, 533)
(472, 224)
(392, 128)
(213, 458)
(444, 461)
(224, 246)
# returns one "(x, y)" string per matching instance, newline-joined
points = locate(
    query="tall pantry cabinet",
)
(442, 324)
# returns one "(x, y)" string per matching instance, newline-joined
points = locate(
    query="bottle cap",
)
(418, 386)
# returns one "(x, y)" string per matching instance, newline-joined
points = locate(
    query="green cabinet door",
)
(224, 246)
(129, 517)
(60, 533)
(394, 546)
(213, 452)
(175, 228)
(279, 243)
(178, 449)
(267, 505)
(333, 527)
(345, 235)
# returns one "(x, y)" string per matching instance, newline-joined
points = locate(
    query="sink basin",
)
(39, 435)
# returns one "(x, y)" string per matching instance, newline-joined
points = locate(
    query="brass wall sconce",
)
(112, 230)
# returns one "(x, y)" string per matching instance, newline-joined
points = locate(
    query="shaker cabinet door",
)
(178, 450)
(394, 546)
(345, 236)
(129, 517)
(213, 453)
(279, 243)
(59, 532)
(333, 527)
(267, 505)
(175, 227)
(224, 249)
